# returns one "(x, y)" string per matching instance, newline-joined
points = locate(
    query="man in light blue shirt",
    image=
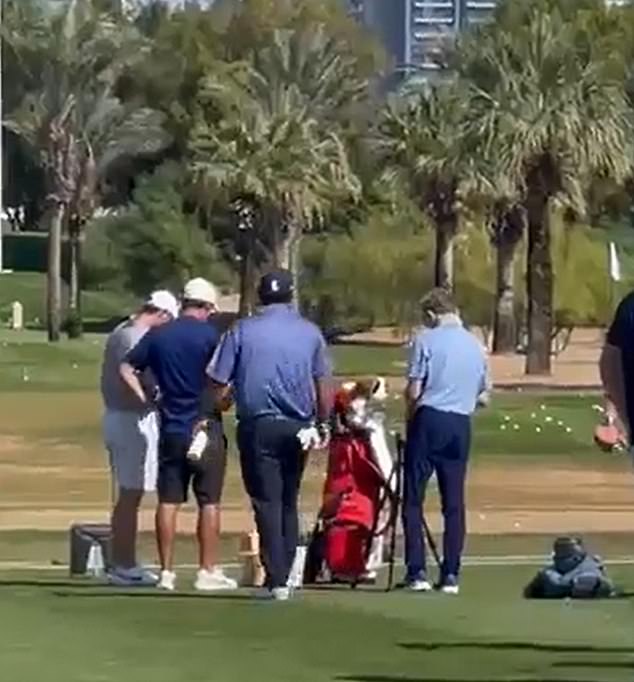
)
(447, 378)
(277, 366)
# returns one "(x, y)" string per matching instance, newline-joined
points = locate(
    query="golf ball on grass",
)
(549, 419)
(516, 427)
(538, 429)
(502, 427)
(568, 429)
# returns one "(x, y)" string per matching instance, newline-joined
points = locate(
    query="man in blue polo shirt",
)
(447, 378)
(177, 355)
(278, 366)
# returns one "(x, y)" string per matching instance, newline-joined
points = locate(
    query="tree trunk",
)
(443, 274)
(247, 276)
(287, 255)
(75, 330)
(539, 284)
(54, 276)
(295, 268)
(504, 329)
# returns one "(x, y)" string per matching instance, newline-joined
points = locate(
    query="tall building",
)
(414, 32)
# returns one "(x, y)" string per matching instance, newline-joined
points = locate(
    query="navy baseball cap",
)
(276, 286)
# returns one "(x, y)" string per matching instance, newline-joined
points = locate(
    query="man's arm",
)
(486, 385)
(611, 366)
(135, 362)
(611, 371)
(131, 379)
(221, 370)
(322, 377)
(416, 373)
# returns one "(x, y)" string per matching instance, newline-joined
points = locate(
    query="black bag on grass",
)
(573, 574)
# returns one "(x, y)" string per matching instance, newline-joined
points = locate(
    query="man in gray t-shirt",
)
(131, 436)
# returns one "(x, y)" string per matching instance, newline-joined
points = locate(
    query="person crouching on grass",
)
(178, 355)
(447, 378)
(130, 431)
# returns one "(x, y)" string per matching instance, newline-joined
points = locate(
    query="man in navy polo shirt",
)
(279, 369)
(177, 355)
(617, 368)
(447, 378)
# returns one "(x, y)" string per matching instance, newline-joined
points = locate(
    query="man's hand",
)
(199, 426)
(131, 379)
(222, 395)
(484, 399)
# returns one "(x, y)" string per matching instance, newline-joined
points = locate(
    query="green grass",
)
(28, 364)
(367, 360)
(76, 632)
(495, 432)
(30, 289)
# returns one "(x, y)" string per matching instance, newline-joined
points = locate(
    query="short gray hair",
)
(438, 301)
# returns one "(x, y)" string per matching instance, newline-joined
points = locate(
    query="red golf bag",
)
(355, 507)
(352, 494)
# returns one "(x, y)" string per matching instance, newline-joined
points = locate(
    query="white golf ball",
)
(538, 429)
(568, 429)
(502, 427)
(516, 524)
(542, 407)
(533, 416)
(516, 427)
(549, 419)
(507, 418)
(560, 423)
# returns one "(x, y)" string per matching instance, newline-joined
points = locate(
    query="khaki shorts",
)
(132, 443)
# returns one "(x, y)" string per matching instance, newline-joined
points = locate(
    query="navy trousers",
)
(272, 463)
(436, 442)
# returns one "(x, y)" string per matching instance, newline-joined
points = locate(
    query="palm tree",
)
(546, 106)
(507, 229)
(77, 127)
(276, 140)
(422, 144)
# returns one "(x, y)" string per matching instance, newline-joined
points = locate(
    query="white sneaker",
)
(137, 576)
(167, 581)
(450, 589)
(418, 585)
(281, 593)
(449, 585)
(211, 581)
(275, 594)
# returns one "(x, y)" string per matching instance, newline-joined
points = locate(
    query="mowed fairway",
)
(535, 474)
(76, 633)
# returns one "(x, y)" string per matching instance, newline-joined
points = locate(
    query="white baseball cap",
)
(165, 301)
(199, 289)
